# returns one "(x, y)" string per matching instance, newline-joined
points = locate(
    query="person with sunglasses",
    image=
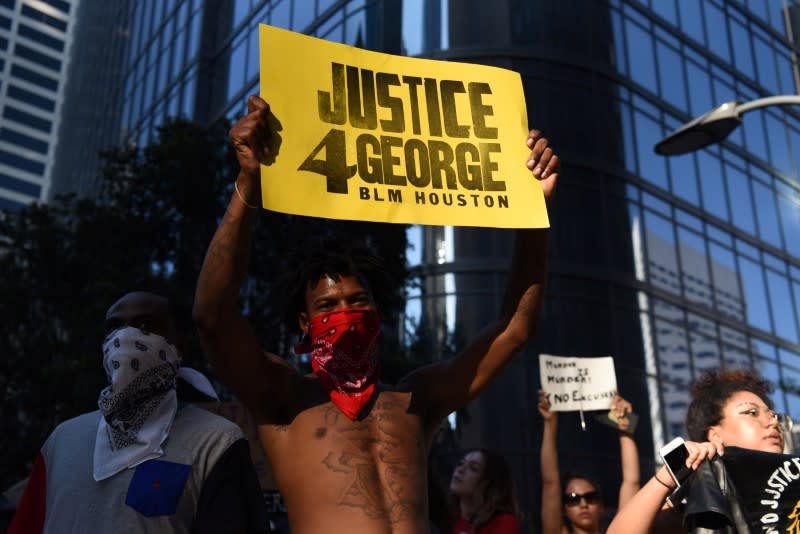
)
(482, 493)
(577, 507)
(729, 408)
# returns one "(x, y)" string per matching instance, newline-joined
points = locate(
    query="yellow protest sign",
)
(367, 136)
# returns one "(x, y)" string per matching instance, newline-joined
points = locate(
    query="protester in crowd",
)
(577, 506)
(729, 408)
(483, 495)
(143, 462)
(346, 449)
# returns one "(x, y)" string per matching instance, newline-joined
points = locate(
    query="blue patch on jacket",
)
(156, 487)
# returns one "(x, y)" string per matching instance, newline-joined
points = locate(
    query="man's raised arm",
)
(453, 383)
(225, 334)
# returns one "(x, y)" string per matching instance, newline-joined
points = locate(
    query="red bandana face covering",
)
(344, 354)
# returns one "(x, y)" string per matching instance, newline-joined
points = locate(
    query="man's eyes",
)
(355, 301)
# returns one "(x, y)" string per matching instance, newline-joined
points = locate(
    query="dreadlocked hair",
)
(334, 255)
(712, 390)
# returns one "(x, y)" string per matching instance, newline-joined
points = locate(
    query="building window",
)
(37, 57)
(34, 77)
(40, 37)
(29, 98)
(38, 16)
(19, 186)
(23, 140)
(781, 304)
(27, 119)
(740, 198)
(19, 162)
(11, 205)
(712, 186)
(766, 215)
(640, 55)
(58, 4)
(755, 301)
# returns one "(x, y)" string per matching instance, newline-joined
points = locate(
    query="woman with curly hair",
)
(483, 495)
(729, 408)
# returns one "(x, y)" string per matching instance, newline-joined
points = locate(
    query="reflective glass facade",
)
(35, 38)
(173, 44)
(717, 231)
(672, 265)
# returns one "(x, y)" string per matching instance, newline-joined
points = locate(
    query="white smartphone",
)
(674, 455)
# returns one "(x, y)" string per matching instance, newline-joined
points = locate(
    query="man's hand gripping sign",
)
(367, 136)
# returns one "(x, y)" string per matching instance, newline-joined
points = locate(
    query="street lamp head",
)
(710, 128)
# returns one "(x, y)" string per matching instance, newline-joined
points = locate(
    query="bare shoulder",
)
(287, 395)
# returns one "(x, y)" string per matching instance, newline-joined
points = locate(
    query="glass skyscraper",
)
(91, 118)
(35, 39)
(671, 265)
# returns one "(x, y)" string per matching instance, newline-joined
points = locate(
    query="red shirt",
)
(502, 523)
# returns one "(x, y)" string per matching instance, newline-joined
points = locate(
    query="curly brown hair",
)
(712, 390)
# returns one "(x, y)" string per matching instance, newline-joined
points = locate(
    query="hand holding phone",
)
(674, 455)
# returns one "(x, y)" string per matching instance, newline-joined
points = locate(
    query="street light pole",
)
(715, 125)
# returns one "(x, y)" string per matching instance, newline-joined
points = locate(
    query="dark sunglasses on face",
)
(573, 499)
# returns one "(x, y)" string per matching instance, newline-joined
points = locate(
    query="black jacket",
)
(744, 491)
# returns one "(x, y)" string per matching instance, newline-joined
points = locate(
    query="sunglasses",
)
(573, 499)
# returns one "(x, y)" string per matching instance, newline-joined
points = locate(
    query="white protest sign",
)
(573, 383)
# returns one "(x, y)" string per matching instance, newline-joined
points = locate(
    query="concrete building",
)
(35, 42)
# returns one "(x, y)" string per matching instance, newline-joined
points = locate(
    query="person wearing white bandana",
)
(143, 462)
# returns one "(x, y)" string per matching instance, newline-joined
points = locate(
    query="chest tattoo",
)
(377, 462)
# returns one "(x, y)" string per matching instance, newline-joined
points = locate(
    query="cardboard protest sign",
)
(573, 383)
(362, 135)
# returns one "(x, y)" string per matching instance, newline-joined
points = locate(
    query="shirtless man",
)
(350, 456)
